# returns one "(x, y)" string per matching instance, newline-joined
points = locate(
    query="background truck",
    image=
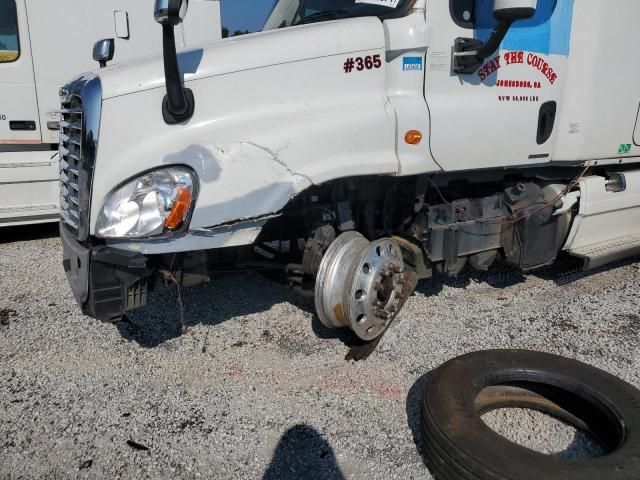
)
(357, 146)
(42, 45)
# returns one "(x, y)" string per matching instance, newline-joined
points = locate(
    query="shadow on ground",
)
(583, 446)
(302, 452)
(27, 233)
(564, 271)
(228, 296)
(241, 294)
(413, 406)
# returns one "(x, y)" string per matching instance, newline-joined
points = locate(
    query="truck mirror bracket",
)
(469, 54)
(178, 104)
(173, 118)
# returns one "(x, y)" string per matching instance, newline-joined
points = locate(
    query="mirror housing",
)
(514, 9)
(178, 104)
(469, 54)
(103, 51)
(170, 12)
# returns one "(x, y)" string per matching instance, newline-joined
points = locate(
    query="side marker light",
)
(413, 137)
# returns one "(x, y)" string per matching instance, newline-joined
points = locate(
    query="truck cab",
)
(357, 146)
(42, 45)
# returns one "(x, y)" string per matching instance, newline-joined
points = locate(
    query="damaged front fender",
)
(250, 182)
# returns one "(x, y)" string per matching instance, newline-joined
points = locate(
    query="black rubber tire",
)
(460, 446)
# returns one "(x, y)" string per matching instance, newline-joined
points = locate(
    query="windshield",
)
(286, 13)
(9, 43)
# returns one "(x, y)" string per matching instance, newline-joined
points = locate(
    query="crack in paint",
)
(251, 222)
(263, 217)
(276, 158)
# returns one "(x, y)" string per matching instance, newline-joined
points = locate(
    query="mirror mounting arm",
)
(469, 53)
(178, 104)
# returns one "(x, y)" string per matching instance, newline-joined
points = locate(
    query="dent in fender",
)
(242, 185)
(241, 181)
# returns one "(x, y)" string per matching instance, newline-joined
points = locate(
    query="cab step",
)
(600, 254)
(607, 226)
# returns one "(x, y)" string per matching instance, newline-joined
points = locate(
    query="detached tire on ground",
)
(460, 446)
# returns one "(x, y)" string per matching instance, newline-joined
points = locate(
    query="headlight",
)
(149, 205)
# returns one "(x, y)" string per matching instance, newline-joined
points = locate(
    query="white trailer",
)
(43, 43)
(358, 145)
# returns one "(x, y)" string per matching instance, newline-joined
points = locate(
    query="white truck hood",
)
(276, 112)
(246, 52)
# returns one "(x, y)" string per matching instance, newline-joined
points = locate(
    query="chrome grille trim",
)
(70, 140)
(74, 126)
(81, 108)
(70, 159)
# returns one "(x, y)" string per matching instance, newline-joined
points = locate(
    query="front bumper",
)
(106, 282)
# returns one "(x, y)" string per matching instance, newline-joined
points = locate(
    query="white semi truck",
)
(43, 43)
(358, 146)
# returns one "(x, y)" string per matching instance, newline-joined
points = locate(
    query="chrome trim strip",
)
(76, 183)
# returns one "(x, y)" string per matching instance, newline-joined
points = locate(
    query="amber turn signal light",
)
(413, 137)
(179, 210)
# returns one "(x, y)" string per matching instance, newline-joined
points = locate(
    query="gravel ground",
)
(259, 389)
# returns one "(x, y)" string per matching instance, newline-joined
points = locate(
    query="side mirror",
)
(178, 104)
(170, 12)
(103, 51)
(469, 53)
(514, 9)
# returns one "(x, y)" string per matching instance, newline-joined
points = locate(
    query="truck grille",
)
(71, 161)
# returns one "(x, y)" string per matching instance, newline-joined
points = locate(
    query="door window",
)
(9, 41)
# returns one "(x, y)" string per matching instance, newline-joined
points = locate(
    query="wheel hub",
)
(361, 285)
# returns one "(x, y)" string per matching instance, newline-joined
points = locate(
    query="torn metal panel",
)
(242, 233)
(243, 180)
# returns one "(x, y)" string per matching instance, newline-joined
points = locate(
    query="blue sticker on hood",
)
(548, 32)
(412, 63)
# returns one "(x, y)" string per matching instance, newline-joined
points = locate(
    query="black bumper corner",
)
(106, 282)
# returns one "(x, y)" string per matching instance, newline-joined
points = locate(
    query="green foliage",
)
(226, 33)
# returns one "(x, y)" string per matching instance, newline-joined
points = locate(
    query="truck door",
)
(636, 133)
(19, 120)
(504, 113)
